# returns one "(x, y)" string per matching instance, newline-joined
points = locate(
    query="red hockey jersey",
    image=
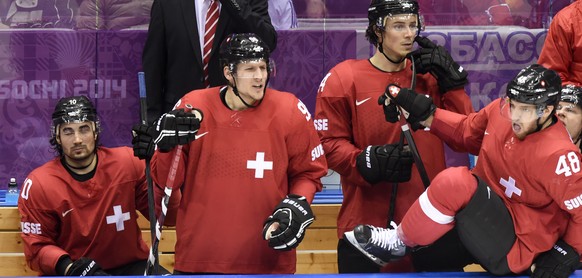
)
(239, 168)
(96, 218)
(538, 178)
(562, 50)
(349, 119)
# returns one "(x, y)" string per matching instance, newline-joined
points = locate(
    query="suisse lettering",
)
(30, 228)
(573, 203)
(320, 124)
(316, 152)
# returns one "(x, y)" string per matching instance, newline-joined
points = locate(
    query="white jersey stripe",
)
(433, 213)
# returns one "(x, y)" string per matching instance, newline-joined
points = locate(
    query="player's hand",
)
(417, 107)
(285, 228)
(392, 113)
(437, 60)
(385, 163)
(177, 127)
(390, 109)
(85, 267)
(142, 141)
(559, 262)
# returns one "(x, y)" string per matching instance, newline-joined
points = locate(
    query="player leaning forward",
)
(78, 211)
(256, 150)
(520, 208)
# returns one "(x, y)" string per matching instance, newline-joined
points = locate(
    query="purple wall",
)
(37, 67)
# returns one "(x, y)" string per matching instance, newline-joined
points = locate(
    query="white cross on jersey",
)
(118, 218)
(260, 165)
(510, 187)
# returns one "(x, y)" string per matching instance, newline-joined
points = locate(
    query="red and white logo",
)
(394, 90)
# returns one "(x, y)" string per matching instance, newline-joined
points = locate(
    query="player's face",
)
(78, 142)
(525, 118)
(571, 115)
(398, 35)
(251, 79)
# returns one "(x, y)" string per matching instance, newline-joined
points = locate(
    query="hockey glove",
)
(391, 112)
(294, 215)
(390, 109)
(437, 60)
(85, 267)
(559, 262)
(143, 143)
(385, 163)
(419, 107)
(177, 127)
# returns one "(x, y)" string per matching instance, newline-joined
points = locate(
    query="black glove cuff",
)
(449, 85)
(368, 165)
(62, 264)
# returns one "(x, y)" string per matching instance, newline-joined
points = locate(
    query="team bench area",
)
(316, 254)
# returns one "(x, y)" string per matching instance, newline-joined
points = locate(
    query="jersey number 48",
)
(568, 164)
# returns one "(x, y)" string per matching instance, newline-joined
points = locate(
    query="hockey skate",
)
(378, 244)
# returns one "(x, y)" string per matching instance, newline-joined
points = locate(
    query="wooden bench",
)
(316, 254)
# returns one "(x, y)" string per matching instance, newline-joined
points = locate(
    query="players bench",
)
(316, 254)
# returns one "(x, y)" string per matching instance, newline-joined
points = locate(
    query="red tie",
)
(210, 30)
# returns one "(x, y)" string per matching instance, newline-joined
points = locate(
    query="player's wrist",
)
(63, 265)
(68, 267)
(428, 121)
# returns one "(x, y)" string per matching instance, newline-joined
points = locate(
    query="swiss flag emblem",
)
(394, 90)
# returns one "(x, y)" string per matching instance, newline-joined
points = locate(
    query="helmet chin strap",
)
(540, 125)
(235, 90)
(386, 56)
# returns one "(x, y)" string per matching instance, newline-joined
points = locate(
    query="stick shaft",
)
(151, 204)
(408, 135)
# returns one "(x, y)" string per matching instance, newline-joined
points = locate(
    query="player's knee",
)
(456, 185)
(486, 229)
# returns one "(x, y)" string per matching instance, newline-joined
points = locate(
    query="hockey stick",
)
(153, 256)
(408, 135)
(144, 120)
(392, 206)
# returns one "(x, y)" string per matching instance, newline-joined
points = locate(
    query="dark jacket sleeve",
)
(252, 16)
(154, 62)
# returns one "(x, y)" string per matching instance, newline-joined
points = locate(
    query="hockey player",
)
(519, 209)
(250, 173)
(378, 180)
(561, 51)
(78, 211)
(570, 111)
